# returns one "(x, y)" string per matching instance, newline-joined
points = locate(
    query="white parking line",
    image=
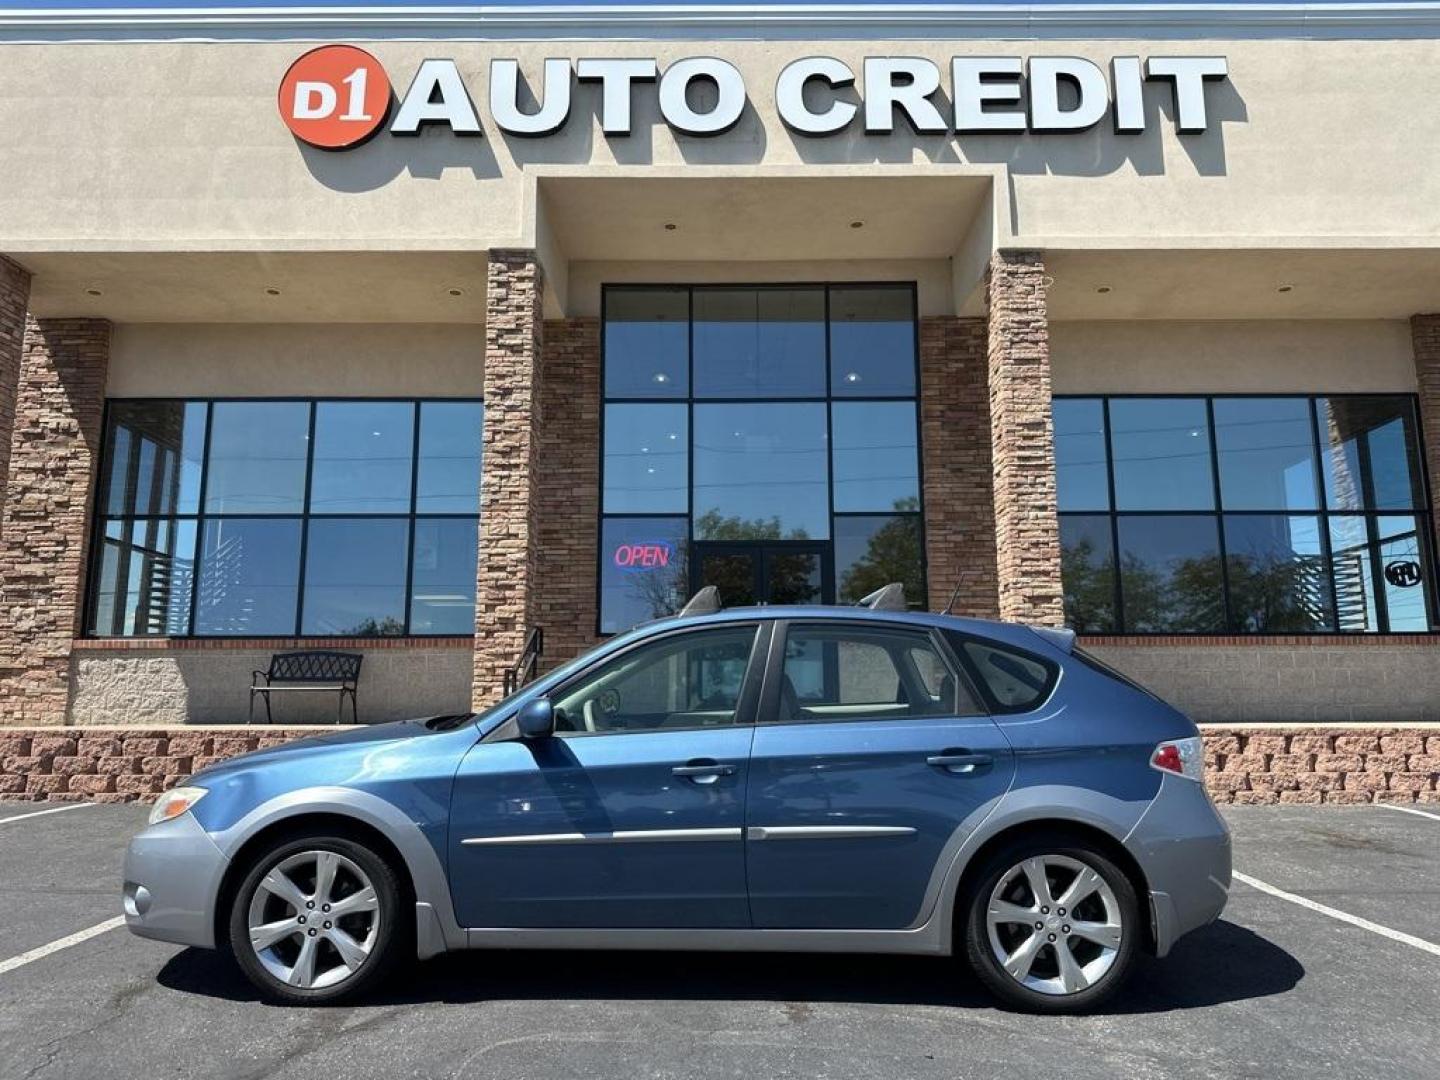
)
(76, 938)
(1409, 810)
(1343, 916)
(52, 810)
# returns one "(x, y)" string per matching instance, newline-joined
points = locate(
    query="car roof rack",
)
(889, 598)
(704, 602)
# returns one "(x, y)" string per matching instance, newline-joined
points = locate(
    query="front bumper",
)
(1183, 846)
(173, 872)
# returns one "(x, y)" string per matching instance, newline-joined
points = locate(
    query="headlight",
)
(174, 803)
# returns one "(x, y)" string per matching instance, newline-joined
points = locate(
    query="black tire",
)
(988, 967)
(392, 937)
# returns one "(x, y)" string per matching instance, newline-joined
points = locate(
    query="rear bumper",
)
(1183, 847)
(172, 876)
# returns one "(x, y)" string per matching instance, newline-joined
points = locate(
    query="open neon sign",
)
(645, 555)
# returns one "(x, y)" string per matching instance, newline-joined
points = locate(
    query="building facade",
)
(409, 333)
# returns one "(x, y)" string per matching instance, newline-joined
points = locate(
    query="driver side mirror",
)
(536, 719)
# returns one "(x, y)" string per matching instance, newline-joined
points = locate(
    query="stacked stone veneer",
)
(14, 297)
(1027, 528)
(568, 488)
(506, 580)
(955, 442)
(45, 529)
(1244, 764)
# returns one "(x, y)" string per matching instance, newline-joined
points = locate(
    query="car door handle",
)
(961, 762)
(703, 771)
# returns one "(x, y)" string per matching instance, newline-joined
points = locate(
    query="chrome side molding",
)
(825, 832)
(634, 836)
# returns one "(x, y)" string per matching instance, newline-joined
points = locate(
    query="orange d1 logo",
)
(335, 97)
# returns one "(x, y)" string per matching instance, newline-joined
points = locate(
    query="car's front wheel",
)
(316, 919)
(1051, 926)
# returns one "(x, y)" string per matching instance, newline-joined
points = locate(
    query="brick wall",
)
(568, 488)
(48, 498)
(955, 444)
(1339, 764)
(14, 299)
(1425, 333)
(505, 579)
(1027, 529)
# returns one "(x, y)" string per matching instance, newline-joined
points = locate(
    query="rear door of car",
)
(871, 749)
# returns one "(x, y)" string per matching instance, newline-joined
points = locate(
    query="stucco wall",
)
(211, 686)
(277, 360)
(1302, 681)
(1256, 356)
(180, 144)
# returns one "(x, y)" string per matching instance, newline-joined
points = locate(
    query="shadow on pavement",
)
(1218, 964)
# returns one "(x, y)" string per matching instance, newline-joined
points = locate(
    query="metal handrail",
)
(526, 667)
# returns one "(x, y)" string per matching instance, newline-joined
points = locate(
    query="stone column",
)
(1027, 530)
(955, 444)
(505, 594)
(568, 488)
(14, 300)
(1425, 333)
(45, 535)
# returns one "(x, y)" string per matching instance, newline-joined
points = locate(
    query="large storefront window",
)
(764, 440)
(1297, 515)
(283, 518)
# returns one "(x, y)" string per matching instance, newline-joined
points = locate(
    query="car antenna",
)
(888, 598)
(704, 602)
(954, 593)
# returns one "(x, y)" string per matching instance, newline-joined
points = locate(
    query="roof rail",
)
(889, 598)
(704, 602)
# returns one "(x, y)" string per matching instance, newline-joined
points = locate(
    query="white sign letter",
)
(1129, 95)
(1089, 82)
(1188, 73)
(981, 79)
(906, 81)
(554, 98)
(790, 96)
(314, 101)
(615, 77)
(675, 96)
(437, 95)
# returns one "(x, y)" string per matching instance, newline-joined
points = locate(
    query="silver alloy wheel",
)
(1054, 924)
(314, 919)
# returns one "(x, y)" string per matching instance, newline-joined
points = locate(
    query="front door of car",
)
(632, 813)
(870, 752)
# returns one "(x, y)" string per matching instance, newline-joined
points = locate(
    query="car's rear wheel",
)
(1051, 927)
(316, 919)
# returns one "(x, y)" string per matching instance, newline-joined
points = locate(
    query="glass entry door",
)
(785, 572)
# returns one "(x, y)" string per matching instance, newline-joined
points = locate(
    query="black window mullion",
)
(1326, 551)
(414, 520)
(829, 452)
(1219, 514)
(1116, 588)
(305, 522)
(200, 520)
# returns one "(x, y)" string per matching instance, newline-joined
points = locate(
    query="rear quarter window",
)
(1012, 679)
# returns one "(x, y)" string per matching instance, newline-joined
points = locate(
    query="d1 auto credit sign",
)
(335, 97)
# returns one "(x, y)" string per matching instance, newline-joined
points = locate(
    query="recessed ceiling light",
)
(669, 226)
(1285, 288)
(456, 292)
(93, 292)
(660, 377)
(857, 224)
(271, 290)
(1103, 289)
(852, 376)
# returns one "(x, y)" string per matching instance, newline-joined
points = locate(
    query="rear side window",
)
(1013, 680)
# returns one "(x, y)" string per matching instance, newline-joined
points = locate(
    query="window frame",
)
(750, 686)
(956, 640)
(304, 516)
(827, 399)
(775, 670)
(1323, 514)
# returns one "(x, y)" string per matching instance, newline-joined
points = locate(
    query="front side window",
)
(1247, 514)
(841, 673)
(285, 518)
(761, 439)
(690, 680)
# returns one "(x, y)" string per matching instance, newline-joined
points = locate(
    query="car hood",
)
(371, 733)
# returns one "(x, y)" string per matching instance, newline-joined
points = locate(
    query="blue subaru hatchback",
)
(776, 778)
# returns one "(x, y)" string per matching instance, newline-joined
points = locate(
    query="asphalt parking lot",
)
(1276, 988)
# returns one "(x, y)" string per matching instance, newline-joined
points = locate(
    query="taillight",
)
(1183, 757)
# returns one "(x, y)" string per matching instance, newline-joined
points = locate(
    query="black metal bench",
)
(309, 672)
